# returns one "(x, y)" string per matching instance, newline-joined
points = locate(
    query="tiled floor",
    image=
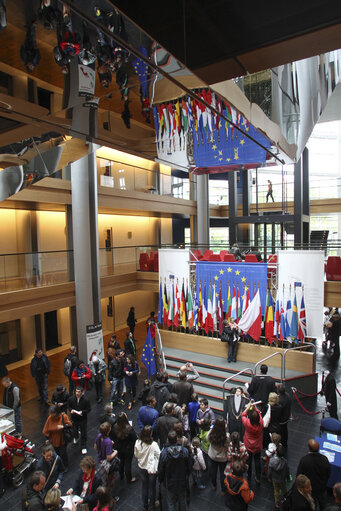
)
(301, 429)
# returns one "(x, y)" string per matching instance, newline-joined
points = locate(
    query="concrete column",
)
(85, 243)
(203, 210)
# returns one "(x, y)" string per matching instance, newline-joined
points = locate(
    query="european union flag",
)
(148, 358)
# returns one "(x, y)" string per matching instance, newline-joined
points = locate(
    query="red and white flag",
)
(251, 321)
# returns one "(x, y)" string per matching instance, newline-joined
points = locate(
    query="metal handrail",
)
(267, 358)
(233, 376)
(159, 348)
(303, 346)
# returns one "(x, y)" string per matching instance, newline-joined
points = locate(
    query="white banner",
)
(94, 340)
(305, 268)
(173, 262)
(87, 80)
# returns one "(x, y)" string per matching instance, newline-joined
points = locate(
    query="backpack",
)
(67, 366)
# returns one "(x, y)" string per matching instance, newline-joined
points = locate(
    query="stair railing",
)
(267, 358)
(159, 349)
(234, 376)
(302, 347)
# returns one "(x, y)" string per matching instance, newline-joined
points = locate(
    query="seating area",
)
(149, 262)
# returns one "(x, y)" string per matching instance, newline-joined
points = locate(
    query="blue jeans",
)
(176, 502)
(116, 386)
(17, 420)
(42, 387)
(148, 488)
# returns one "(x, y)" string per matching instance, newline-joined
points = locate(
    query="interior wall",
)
(107, 321)
(143, 301)
(166, 231)
(63, 321)
(28, 337)
(52, 237)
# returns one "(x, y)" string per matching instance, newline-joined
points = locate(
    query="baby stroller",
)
(17, 457)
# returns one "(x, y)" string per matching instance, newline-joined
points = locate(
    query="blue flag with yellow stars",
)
(148, 358)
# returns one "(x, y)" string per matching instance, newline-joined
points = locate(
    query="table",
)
(330, 446)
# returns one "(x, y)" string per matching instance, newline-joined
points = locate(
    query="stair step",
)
(182, 361)
(210, 373)
(209, 381)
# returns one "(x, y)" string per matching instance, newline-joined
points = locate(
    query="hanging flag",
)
(200, 308)
(234, 304)
(220, 313)
(269, 325)
(302, 324)
(160, 310)
(176, 306)
(277, 319)
(239, 310)
(283, 332)
(294, 320)
(148, 357)
(251, 322)
(209, 318)
(214, 309)
(183, 306)
(229, 304)
(246, 299)
(195, 312)
(204, 307)
(288, 314)
(171, 305)
(190, 308)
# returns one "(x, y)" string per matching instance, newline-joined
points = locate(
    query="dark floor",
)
(302, 428)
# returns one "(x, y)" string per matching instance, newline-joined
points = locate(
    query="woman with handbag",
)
(131, 370)
(147, 453)
(105, 454)
(86, 483)
(124, 440)
(57, 430)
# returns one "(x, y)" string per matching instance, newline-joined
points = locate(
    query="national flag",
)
(183, 306)
(171, 305)
(165, 305)
(294, 320)
(214, 309)
(266, 305)
(204, 307)
(195, 311)
(239, 311)
(288, 314)
(234, 305)
(176, 306)
(302, 323)
(246, 299)
(209, 318)
(200, 308)
(160, 309)
(148, 358)
(277, 319)
(220, 313)
(283, 331)
(269, 325)
(251, 321)
(229, 304)
(190, 308)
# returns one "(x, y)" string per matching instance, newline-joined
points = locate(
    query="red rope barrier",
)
(304, 409)
(310, 395)
(337, 390)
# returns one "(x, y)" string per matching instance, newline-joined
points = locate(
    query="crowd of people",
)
(181, 442)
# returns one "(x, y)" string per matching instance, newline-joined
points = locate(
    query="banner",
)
(233, 277)
(94, 341)
(87, 80)
(303, 270)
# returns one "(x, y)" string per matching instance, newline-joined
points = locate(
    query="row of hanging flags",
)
(206, 309)
(216, 142)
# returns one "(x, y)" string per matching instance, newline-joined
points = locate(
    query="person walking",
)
(131, 320)
(79, 407)
(11, 399)
(40, 369)
(175, 467)
(54, 432)
(70, 362)
(115, 377)
(98, 367)
(131, 370)
(105, 453)
(269, 194)
(147, 453)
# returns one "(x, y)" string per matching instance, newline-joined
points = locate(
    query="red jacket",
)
(85, 377)
(253, 436)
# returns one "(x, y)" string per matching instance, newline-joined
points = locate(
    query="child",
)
(278, 473)
(199, 464)
(193, 407)
(205, 443)
(185, 421)
(144, 392)
(275, 440)
(238, 491)
(236, 451)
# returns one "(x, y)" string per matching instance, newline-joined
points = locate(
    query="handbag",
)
(67, 430)
(267, 417)
(114, 465)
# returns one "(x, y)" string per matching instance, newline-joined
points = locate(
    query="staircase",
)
(213, 371)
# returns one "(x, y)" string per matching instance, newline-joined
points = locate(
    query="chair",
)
(251, 258)
(222, 253)
(214, 257)
(229, 258)
(144, 261)
(207, 253)
(333, 269)
(196, 255)
(331, 425)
